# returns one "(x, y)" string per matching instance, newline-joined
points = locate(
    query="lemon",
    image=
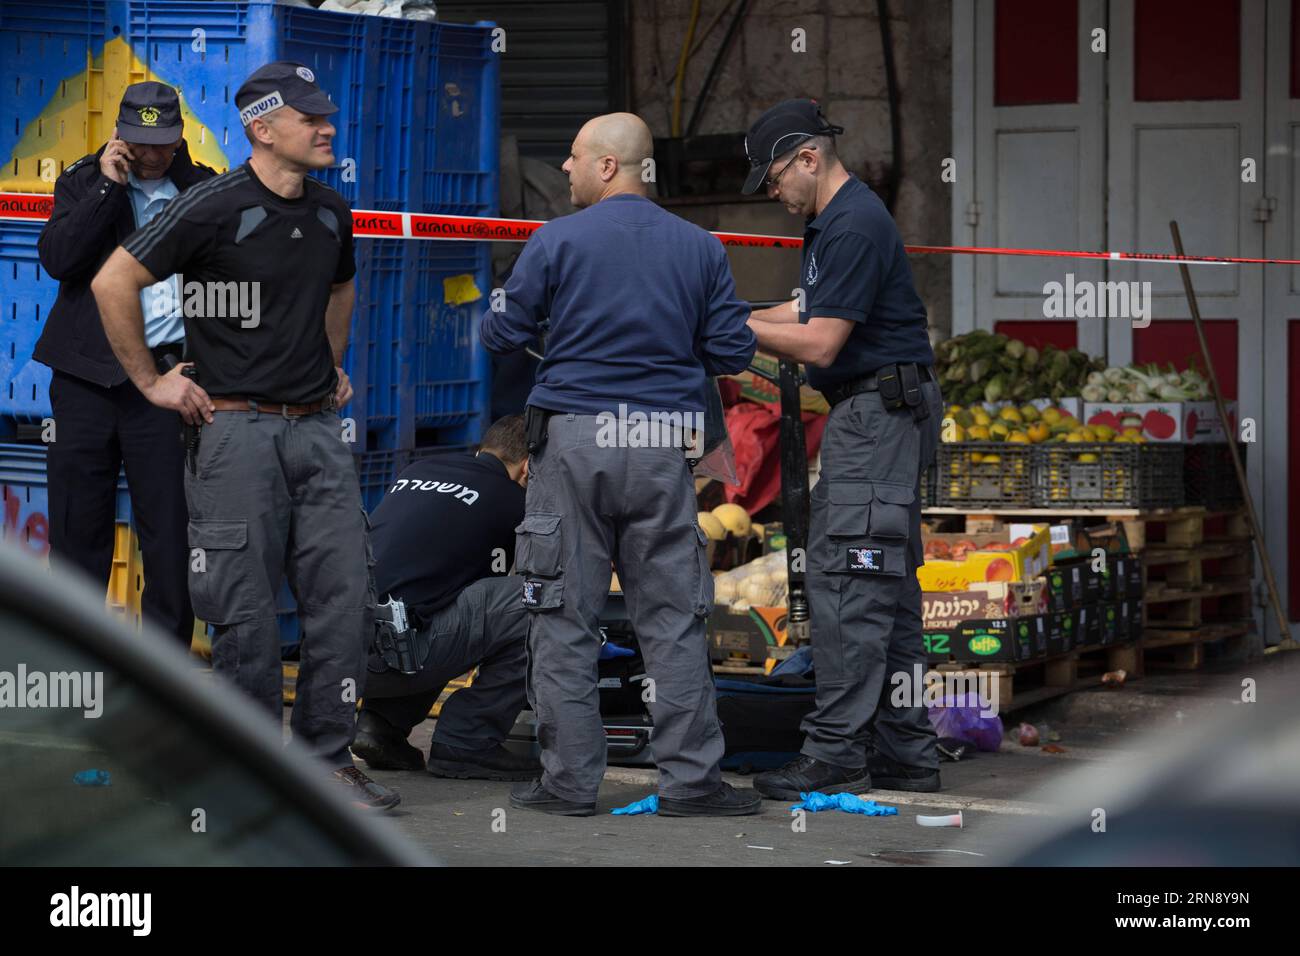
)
(1074, 438)
(1010, 414)
(1019, 437)
(981, 417)
(1051, 415)
(1103, 432)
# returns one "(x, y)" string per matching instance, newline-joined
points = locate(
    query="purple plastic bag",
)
(961, 717)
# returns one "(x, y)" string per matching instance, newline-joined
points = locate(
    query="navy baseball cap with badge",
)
(150, 114)
(778, 131)
(283, 83)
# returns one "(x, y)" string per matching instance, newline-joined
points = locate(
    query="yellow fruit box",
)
(1006, 562)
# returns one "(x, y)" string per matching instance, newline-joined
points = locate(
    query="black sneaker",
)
(494, 764)
(726, 801)
(807, 774)
(364, 792)
(533, 796)
(382, 746)
(891, 775)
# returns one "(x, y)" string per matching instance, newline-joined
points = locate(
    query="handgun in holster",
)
(396, 644)
(190, 433)
(900, 387)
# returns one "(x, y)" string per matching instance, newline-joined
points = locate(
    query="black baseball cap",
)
(150, 114)
(282, 83)
(779, 130)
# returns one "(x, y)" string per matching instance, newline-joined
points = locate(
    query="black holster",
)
(190, 434)
(900, 387)
(535, 420)
(396, 643)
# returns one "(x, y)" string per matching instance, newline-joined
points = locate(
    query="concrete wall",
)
(843, 68)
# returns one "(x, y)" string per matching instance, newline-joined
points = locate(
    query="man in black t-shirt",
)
(264, 258)
(444, 540)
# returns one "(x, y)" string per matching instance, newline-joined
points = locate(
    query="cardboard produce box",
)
(745, 636)
(1008, 562)
(999, 639)
(758, 389)
(1193, 422)
(946, 609)
(1130, 615)
(1062, 627)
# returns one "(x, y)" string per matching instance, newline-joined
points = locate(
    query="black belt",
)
(835, 394)
(160, 353)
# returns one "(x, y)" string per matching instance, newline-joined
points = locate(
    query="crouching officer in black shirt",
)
(444, 538)
(861, 328)
(266, 255)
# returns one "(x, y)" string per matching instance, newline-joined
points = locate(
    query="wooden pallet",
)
(1184, 649)
(1024, 683)
(1166, 607)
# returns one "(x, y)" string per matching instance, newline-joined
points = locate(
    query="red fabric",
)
(1035, 52)
(1063, 333)
(1187, 50)
(1174, 340)
(756, 436)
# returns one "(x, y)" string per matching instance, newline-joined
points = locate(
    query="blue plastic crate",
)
(452, 389)
(24, 490)
(26, 295)
(462, 119)
(377, 470)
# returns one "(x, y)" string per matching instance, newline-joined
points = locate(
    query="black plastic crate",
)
(1108, 475)
(929, 488)
(985, 474)
(1209, 480)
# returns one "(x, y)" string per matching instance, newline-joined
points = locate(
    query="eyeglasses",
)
(774, 180)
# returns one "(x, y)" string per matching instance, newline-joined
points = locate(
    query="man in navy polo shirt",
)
(858, 324)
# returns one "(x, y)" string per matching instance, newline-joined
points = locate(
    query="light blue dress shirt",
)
(161, 302)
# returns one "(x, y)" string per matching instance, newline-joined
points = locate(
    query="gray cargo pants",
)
(864, 547)
(485, 627)
(589, 504)
(270, 496)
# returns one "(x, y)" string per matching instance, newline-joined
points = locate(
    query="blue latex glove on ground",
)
(648, 805)
(848, 802)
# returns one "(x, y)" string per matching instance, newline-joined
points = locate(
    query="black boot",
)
(382, 746)
(496, 763)
(891, 775)
(726, 801)
(364, 793)
(806, 775)
(533, 796)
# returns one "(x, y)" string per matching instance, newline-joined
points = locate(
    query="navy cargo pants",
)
(864, 546)
(272, 496)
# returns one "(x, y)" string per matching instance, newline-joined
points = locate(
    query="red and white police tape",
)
(36, 207)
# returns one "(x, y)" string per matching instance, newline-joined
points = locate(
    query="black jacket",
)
(92, 215)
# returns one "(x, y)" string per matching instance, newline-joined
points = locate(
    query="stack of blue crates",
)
(417, 132)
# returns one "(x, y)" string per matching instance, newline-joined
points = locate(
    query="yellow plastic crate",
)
(126, 587)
